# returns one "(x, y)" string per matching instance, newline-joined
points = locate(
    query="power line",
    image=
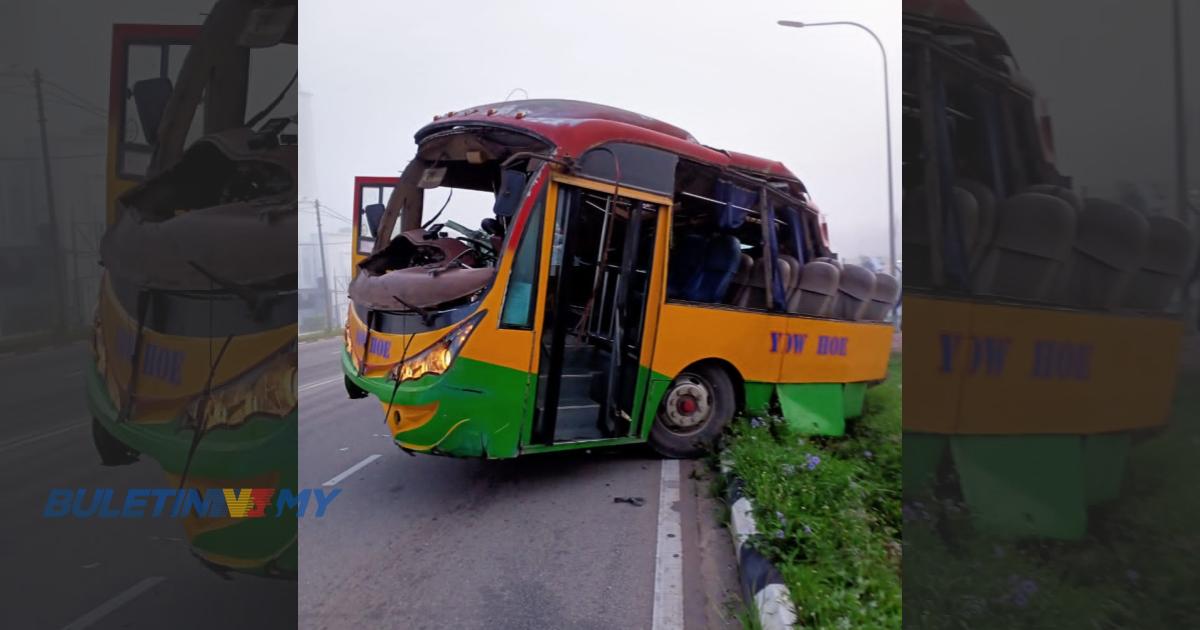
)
(51, 98)
(82, 101)
(331, 214)
(332, 211)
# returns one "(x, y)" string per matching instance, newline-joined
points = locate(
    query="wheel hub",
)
(688, 404)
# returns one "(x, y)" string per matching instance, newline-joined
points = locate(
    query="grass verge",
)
(1135, 569)
(828, 510)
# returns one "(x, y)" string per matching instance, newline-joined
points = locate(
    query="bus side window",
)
(521, 295)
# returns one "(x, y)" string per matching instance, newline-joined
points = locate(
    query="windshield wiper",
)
(271, 106)
(426, 316)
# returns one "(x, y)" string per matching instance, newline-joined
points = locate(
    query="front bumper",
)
(475, 409)
(258, 454)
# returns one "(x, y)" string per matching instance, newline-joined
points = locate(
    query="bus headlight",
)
(267, 390)
(436, 359)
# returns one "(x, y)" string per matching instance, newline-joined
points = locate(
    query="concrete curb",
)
(761, 582)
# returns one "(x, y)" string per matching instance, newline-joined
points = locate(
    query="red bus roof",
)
(576, 126)
(956, 11)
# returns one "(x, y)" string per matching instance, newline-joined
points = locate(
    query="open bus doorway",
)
(592, 332)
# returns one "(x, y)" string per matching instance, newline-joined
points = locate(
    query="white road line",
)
(668, 558)
(351, 470)
(308, 386)
(30, 439)
(116, 602)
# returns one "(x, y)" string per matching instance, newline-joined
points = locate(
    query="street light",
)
(887, 118)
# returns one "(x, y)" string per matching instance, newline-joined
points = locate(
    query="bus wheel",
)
(112, 451)
(694, 412)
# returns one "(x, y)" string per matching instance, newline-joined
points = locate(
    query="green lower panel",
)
(1023, 485)
(1104, 465)
(923, 453)
(654, 393)
(758, 397)
(813, 408)
(854, 395)
(246, 456)
(481, 407)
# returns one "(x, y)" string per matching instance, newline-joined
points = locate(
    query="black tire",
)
(679, 442)
(353, 390)
(112, 451)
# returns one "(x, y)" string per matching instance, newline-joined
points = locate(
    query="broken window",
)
(373, 199)
(716, 239)
(521, 295)
(437, 244)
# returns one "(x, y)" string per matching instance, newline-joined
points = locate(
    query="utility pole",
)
(325, 291)
(57, 266)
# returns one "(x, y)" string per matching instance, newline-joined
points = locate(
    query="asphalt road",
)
(535, 542)
(411, 542)
(98, 573)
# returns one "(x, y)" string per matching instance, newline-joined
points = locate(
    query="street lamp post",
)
(887, 117)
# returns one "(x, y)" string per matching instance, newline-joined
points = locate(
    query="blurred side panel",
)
(1050, 245)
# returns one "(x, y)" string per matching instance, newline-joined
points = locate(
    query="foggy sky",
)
(811, 98)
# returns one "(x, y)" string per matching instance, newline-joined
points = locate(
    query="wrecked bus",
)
(623, 284)
(1028, 303)
(194, 337)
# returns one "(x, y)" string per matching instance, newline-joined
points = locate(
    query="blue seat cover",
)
(722, 254)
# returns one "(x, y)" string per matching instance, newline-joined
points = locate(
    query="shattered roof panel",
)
(576, 126)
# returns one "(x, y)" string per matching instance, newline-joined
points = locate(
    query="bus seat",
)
(741, 279)
(684, 264)
(1110, 244)
(985, 205)
(787, 274)
(816, 290)
(719, 263)
(918, 251)
(887, 293)
(855, 289)
(833, 261)
(1169, 256)
(1033, 238)
(792, 280)
(1066, 194)
(755, 293)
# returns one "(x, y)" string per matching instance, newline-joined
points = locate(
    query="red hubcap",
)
(687, 406)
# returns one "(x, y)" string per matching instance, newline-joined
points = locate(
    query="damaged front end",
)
(195, 334)
(427, 284)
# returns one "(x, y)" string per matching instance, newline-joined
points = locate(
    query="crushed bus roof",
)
(576, 126)
(955, 11)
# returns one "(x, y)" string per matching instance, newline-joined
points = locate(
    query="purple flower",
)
(811, 461)
(756, 423)
(779, 534)
(1022, 590)
(868, 454)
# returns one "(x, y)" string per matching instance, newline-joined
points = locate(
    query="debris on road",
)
(634, 501)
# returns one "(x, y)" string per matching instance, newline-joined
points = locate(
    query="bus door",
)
(146, 59)
(597, 296)
(371, 195)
